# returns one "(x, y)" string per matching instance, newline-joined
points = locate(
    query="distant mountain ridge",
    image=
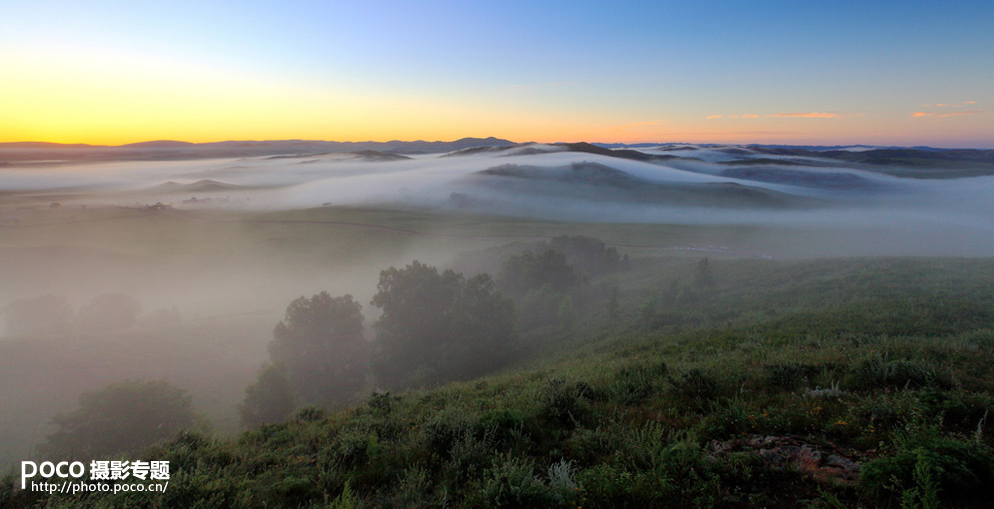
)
(170, 149)
(915, 162)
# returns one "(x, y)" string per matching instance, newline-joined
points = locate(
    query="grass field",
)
(841, 382)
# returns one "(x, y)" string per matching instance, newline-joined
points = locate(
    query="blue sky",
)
(847, 72)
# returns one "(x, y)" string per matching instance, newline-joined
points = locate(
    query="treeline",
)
(434, 326)
(53, 316)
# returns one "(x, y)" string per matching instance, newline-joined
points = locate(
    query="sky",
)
(792, 72)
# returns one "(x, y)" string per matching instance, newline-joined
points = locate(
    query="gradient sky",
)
(901, 73)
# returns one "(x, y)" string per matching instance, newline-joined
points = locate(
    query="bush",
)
(697, 386)
(788, 376)
(929, 467)
(539, 307)
(438, 326)
(113, 311)
(529, 271)
(565, 403)
(320, 344)
(877, 372)
(637, 382)
(468, 455)
(123, 417)
(270, 399)
(444, 430)
(610, 486)
(512, 483)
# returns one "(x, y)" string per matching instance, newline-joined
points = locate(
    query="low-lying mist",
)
(181, 269)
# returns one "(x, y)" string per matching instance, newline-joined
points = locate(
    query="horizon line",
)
(147, 142)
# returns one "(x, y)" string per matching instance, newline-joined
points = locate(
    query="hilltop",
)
(819, 383)
(167, 149)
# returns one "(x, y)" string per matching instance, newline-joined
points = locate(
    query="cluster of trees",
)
(124, 417)
(51, 315)
(589, 255)
(434, 327)
(659, 306)
(551, 284)
(319, 357)
(438, 326)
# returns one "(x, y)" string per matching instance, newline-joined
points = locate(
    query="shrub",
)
(928, 467)
(123, 417)
(788, 376)
(512, 483)
(270, 399)
(444, 430)
(115, 311)
(565, 403)
(309, 414)
(877, 372)
(698, 387)
(637, 382)
(438, 326)
(468, 455)
(320, 345)
(563, 487)
(610, 486)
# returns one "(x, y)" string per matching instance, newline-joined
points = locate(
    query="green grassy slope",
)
(818, 383)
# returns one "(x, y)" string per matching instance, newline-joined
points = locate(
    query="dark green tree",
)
(538, 308)
(110, 311)
(125, 417)
(528, 271)
(704, 278)
(438, 326)
(567, 315)
(320, 345)
(270, 399)
(647, 313)
(614, 307)
(588, 254)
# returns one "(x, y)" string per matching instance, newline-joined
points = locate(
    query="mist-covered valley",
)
(163, 267)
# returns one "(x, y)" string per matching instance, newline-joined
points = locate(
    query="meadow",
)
(825, 382)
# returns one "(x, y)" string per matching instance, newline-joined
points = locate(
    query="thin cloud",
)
(918, 114)
(948, 105)
(813, 114)
(744, 115)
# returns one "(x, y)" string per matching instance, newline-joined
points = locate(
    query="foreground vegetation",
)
(720, 383)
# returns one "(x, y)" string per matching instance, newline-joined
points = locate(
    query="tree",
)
(538, 308)
(110, 311)
(270, 399)
(704, 278)
(41, 316)
(567, 314)
(614, 307)
(320, 344)
(588, 254)
(647, 313)
(124, 417)
(529, 271)
(438, 326)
